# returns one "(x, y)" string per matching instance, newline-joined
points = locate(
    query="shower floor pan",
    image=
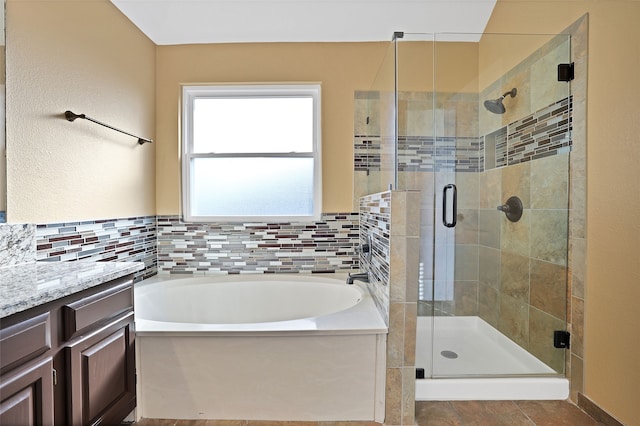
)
(474, 361)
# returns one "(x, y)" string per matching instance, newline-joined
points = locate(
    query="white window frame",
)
(192, 92)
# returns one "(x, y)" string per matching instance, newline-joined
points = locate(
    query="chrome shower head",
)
(496, 106)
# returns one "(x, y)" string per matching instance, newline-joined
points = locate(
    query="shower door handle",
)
(454, 193)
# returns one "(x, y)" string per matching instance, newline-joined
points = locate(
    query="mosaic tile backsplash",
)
(375, 222)
(165, 244)
(375, 219)
(327, 245)
(123, 239)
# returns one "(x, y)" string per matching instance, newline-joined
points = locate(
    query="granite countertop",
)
(33, 284)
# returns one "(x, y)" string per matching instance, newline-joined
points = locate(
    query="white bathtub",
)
(259, 347)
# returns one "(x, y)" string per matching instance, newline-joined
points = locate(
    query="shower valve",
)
(367, 248)
(512, 209)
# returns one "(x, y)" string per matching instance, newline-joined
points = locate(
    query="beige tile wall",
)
(392, 218)
(549, 308)
(522, 266)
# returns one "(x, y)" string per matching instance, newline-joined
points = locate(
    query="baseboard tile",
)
(596, 412)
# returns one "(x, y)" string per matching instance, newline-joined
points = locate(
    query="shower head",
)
(496, 106)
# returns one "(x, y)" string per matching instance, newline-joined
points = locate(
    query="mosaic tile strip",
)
(421, 153)
(501, 147)
(468, 154)
(544, 133)
(481, 154)
(416, 153)
(328, 245)
(123, 239)
(375, 221)
(366, 155)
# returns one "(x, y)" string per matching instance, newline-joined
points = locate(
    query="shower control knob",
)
(512, 209)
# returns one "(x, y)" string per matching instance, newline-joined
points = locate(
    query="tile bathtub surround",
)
(17, 244)
(375, 223)
(327, 245)
(514, 274)
(392, 220)
(122, 239)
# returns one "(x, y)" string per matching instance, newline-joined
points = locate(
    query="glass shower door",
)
(375, 132)
(502, 137)
(493, 280)
(418, 165)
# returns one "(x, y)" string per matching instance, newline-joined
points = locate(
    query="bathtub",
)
(259, 347)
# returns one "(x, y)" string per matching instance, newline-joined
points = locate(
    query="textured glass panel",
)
(244, 125)
(252, 187)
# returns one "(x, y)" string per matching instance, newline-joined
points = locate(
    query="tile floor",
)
(454, 413)
(501, 413)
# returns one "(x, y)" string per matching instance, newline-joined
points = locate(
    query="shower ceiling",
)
(168, 22)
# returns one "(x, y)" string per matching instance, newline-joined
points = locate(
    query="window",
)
(251, 152)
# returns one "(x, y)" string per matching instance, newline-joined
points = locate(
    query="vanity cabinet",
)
(70, 361)
(27, 395)
(101, 374)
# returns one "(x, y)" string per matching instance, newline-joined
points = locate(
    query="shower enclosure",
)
(481, 125)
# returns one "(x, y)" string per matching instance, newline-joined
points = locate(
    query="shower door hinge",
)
(561, 339)
(565, 72)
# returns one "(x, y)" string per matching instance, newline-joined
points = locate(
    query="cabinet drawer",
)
(25, 340)
(91, 310)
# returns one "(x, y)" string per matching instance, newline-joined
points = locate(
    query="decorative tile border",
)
(469, 154)
(417, 153)
(501, 137)
(543, 133)
(123, 239)
(367, 153)
(327, 245)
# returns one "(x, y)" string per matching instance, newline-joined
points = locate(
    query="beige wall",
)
(455, 66)
(342, 68)
(612, 347)
(88, 58)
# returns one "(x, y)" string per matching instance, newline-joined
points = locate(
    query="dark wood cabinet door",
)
(26, 395)
(101, 374)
